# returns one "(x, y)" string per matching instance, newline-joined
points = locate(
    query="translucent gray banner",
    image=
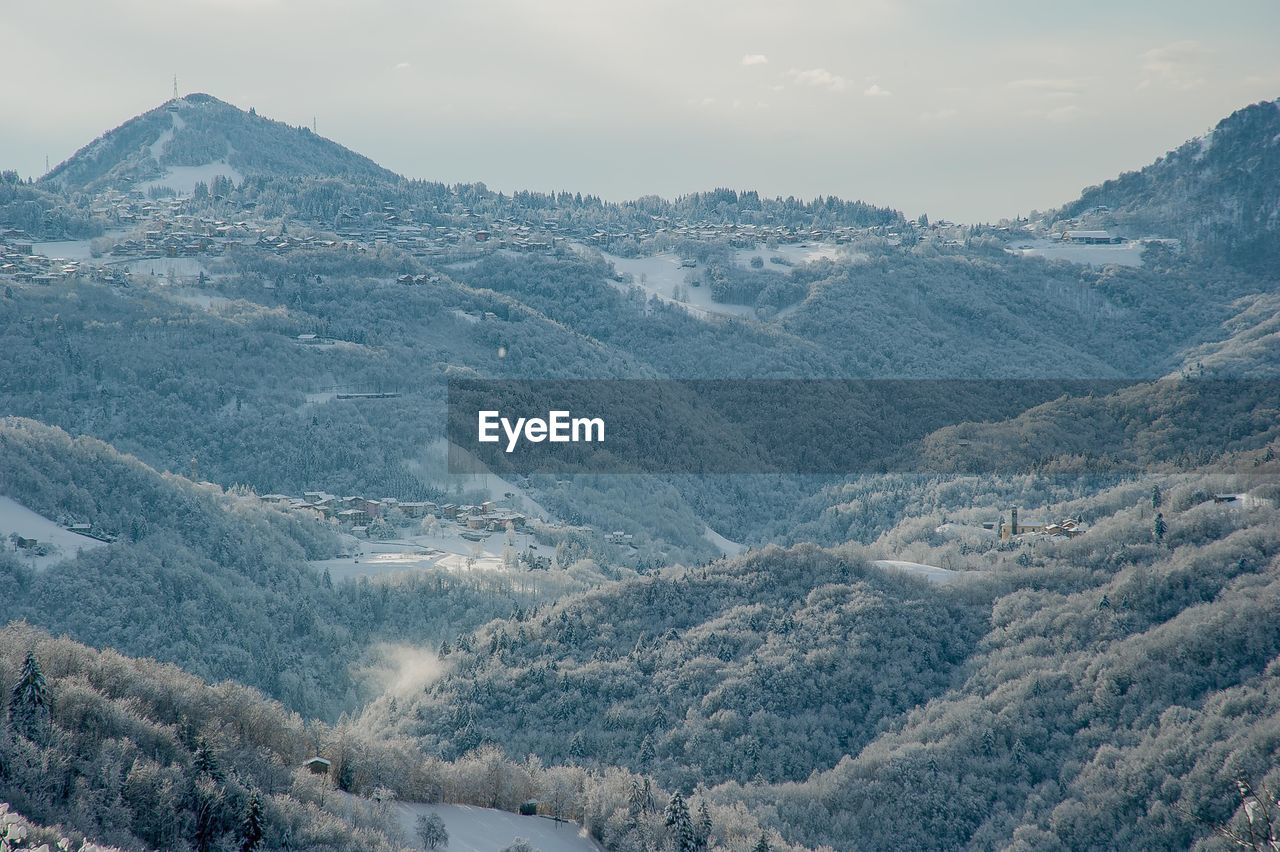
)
(860, 426)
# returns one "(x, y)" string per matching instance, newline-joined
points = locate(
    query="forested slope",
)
(1126, 681)
(143, 756)
(1218, 192)
(215, 582)
(769, 666)
(1099, 692)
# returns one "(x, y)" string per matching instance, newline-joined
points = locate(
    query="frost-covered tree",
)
(251, 824)
(676, 817)
(432, 833)
(521, 845)
(702, 827)
(30, 702)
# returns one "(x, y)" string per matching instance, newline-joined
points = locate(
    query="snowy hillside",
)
(198, 138)
(60, 544)
(473, 829)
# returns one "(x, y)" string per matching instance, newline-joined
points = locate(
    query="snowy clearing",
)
(724, 545)
(16, 518)
(932, 573)
(198, 299)
(658, 276)
(794, 254)
(183, 179)
(1121, 254)
(180, 268)
(473, 829)
(446, 549)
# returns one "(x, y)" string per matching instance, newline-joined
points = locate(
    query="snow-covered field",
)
(658, 276)
(1122, 254)
(446, 549)
(185, 268)
(932, 573)
(794, 253)
(183, 179)
(473, 829)
(724, 545)
(64, 249)
(16, 518)
(198, 299)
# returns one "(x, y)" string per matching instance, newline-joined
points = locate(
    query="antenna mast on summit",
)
(175, 87)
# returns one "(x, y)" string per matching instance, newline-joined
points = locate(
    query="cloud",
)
(755, 59)
(1063, 114)
(1178, 64)
(401, 66)
(939, 115)
(819, 78)
(1056, 115)
(874, 91)
(1062, 87)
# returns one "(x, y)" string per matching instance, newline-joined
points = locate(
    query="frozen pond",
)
(64, 249)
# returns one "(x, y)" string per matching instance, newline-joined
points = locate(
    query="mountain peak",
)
(198, 137)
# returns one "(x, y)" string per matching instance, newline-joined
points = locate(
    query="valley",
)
(249, 605)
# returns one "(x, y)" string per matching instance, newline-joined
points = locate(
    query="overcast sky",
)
(965, 110)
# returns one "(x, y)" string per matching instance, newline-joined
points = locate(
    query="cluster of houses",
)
(465, 231)
(745, 236)
(1014, 527)
(20, 263)
(356, 514)
(194, 236)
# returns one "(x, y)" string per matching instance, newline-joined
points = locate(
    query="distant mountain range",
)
(1219, 192)
(200, 137)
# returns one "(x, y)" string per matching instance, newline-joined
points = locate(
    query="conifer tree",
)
(30, 702)
(703, 827)
(677, 819)
(251, 824)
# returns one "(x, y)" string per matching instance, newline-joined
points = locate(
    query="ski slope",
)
(932, 573)
(473, 829)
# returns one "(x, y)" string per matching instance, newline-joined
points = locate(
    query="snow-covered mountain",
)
(1220, 191)
(197, 138)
